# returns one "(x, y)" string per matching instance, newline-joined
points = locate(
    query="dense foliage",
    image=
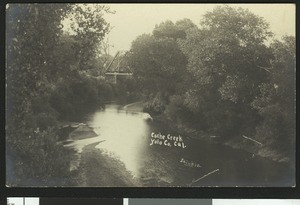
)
(222, 77)
(158, 63)
(225, 57)
(276, 102)
(46, 83)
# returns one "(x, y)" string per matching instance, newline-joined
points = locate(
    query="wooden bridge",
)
(112, 72)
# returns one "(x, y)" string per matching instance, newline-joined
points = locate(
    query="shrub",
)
(35, 158)
(73, 99)
(156, 105)
(45, 121)
(275, 129)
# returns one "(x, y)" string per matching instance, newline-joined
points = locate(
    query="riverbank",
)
(101, 165)
(134, 107)
(91, 166)
(238, 143)
(100, 170)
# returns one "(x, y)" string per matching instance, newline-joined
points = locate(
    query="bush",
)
(275, 129)
(45, 121)
(72, 100)
(221, 118)
(179, 113)
(175, 109)
(35, 158)
(156, 105)
(40, 104)
(223, 121)
(104, 91)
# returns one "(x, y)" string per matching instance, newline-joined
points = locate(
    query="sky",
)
(132, 20)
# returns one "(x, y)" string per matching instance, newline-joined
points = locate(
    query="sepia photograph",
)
(150, 95)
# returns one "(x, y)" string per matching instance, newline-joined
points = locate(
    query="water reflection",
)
(125, 135)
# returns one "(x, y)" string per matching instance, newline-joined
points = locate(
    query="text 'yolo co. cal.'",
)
(167, 140)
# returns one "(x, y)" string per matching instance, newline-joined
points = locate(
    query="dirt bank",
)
(100, 170)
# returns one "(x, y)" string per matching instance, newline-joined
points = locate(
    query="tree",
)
(184, 25)
(276, 102)
(158, 64)
(168, 29)
(226, 57)
(32, 34)
(88, 27)
(228, 50)
(38, 53)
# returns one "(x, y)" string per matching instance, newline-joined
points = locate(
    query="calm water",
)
(173, 159)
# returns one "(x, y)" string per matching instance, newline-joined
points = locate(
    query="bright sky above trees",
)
(132, 20)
